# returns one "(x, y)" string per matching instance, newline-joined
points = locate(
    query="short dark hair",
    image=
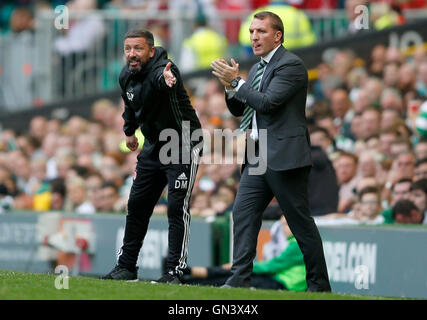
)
(107, 184)
(276, 22)
(349, 155)
(315, 129)
(420, 162)
(403, 180)
(141, 33)
(419, 185)
(369, 190)
(57, 185)
(403, 207)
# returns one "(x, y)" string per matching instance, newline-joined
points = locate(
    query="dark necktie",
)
(256, 84)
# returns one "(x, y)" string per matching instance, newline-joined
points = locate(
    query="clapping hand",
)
(224, 72)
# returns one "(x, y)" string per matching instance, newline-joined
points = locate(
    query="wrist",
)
(235, 82)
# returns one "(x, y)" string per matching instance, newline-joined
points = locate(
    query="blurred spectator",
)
(284, 272)
(93, 187)
(322, 200)
(394, 55)
(342, 110)
(420, 171)
(387, 137)
(392, 99)
(389, 117)
(400, 145)
(83, 32)
(399, 190)
(370, 206)
(58, 194)
(38, 128)
(406, 212)
(421, 121)
(421, 83)
(110, 199)
(321, 137)
(367, 164)
(346, 168)
(21, 20)
(199, 203)
(418, 194)
(377, 63)
(327, 122)
(371, 122)
(77, 197)
(49, 147)
(407, 77)
(365, 211)
(421, 149)
(29, 145)
(202, 47)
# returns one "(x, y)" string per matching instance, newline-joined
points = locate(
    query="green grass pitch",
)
(32, 286)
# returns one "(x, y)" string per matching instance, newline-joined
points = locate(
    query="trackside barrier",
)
(374, 260)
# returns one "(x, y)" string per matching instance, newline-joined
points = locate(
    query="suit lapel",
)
(272, 64)
(252, 73)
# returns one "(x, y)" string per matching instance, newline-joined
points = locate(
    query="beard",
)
(137, 68)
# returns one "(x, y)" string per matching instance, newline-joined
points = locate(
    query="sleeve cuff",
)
(232, 92)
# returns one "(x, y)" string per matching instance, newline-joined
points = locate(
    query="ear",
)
(152, 51)
(277, 36)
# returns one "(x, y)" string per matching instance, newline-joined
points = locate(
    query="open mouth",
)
(133, 63)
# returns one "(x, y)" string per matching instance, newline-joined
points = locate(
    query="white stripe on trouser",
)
(119, 253)
(186, 216)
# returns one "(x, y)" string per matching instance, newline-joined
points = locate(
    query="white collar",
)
(270, 55)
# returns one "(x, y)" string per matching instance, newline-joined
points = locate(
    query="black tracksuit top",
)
(152, 105)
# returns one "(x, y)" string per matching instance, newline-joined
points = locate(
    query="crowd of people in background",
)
(367, 128)
(367, 123)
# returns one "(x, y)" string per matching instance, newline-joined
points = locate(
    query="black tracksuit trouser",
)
(151, 177)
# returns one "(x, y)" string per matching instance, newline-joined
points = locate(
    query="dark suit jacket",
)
(280, 108)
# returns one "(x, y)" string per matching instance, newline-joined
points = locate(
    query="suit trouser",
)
(254, 194)
(151, 178)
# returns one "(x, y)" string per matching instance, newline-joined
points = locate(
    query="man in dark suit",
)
(272, 103)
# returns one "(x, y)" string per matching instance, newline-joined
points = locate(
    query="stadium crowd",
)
(367, 123)
(367, 117)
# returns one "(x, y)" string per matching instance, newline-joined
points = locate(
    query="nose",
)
(254, 36)
(131, 52)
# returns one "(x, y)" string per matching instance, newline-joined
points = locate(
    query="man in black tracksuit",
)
(156, 101)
